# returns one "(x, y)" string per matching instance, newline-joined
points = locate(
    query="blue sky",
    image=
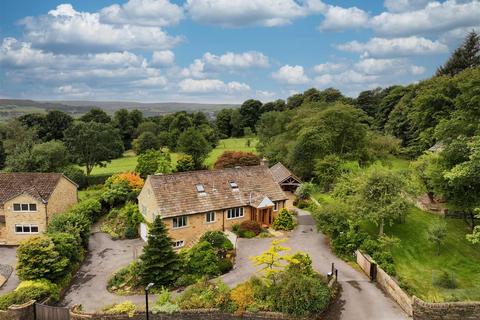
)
(221, 51)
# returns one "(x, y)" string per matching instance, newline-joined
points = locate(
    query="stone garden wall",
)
(19, 312)
(204, 314)
(445, 311)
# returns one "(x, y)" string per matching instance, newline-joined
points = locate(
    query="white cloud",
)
(158, 13)
(243, 60)
(211, 85)
(435, 17)
(396, 47)
(195, 69)
(292, 75)
(390, 67)
(162, 58)
(329, 67)
(239, 13)
(404, 5)
(65, 29)
(338, 18)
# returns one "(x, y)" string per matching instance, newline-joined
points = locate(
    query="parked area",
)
(8, 258)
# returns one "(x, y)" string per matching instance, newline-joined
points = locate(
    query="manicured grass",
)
(232, 144)
(129, 160)
(417, 263)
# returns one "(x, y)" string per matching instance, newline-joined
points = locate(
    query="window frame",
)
(30, 227)
(200, 188)
(22, 207)
(235, 213)
(275, 205)
(208, 214)
(233, 184)
(177, 244)
(175, 220)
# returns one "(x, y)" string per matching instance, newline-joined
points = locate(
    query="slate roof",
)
(38, 185)
(176, 194)
(280, 173)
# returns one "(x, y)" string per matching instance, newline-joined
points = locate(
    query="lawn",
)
(417, 263)
(129, 160)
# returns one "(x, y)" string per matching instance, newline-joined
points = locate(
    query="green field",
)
(129, 160)
(415, 258)
(417, 264)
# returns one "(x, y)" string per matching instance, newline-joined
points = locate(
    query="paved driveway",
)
(104, 258)
(8, 256)
(360, 300)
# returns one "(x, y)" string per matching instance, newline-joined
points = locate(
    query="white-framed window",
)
(235, 213)
(275, 206)
(210, 217)
(178, 244)
(26, 228)
(200, 188)
(233, 185)
(144, 210)
(179, 222)
(24, 207)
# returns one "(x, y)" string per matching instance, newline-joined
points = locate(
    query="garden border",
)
(416, 307)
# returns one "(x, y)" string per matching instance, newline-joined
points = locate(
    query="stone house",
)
(29, 200)
(191, 203)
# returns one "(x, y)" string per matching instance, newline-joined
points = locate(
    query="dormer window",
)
(200, 188)
(233, 185)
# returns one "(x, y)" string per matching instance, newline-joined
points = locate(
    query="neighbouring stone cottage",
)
(29, 200)
(191, 203)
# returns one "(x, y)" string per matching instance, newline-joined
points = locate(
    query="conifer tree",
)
(159, 263)
(467, 56)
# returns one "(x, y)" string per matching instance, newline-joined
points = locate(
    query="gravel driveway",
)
(8, 256)
(104, 258)
(360, 300)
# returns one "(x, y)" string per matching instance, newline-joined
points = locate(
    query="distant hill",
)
(15, 107)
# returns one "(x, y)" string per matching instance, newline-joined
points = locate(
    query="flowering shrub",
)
(133, 179)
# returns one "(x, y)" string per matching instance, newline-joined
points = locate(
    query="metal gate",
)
(44, 312)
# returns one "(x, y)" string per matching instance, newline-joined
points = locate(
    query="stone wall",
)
(212, 314)
(445, 311)
(19, 312)
(387, 283)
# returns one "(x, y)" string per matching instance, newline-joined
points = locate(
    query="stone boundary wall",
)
(24, 311)
(387, 283)
(445, 311)
(202, 314)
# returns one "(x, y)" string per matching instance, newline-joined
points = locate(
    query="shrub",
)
(249, 225)
(164, 303)
(123, 223)
(246, 234)
(217, 239)
(445, 280)
(284, 221)
(242, 296)
(125, 279)
(231, 159)
(185, 163)
(225, 265)
(67, 246)
(126, 307)
(202, 260)
(300, 263)
(186, 279)
(75, 223)
(206, 295)
(30, 290)
(38, 258)
(134, 181)
(305, 190)
(118, 193)
(76, 175)
(91, 208)
(311, 294)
